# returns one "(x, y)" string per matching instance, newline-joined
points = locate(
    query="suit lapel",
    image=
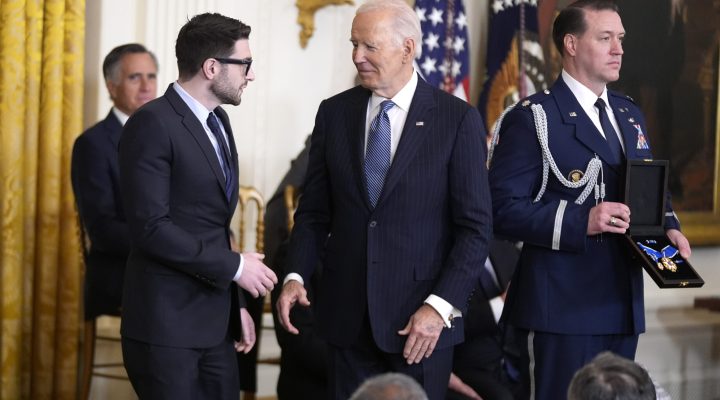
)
(355, 116)
(197, 131)
(413, 133)
(112, 124)
(585, 131)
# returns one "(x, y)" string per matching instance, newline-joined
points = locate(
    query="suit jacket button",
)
(373, 224)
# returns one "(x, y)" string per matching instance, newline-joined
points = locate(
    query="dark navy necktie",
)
(377, 155)
(224, 155)
(610, 135)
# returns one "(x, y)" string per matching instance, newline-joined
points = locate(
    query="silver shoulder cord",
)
(592, 172)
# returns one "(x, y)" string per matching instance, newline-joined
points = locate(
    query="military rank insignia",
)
(641, 141)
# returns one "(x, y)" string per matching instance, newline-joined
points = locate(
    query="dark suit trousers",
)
(350, 367)
(557, 357)
(160, 372)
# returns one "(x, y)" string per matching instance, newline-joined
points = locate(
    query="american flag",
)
(443, 60)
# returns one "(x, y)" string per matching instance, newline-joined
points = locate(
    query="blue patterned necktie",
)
(610, 134)
(224, 154)
(377, 155)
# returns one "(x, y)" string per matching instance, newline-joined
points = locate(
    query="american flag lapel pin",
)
(419, 123)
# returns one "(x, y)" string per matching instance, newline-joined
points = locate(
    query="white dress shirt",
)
(587, 100)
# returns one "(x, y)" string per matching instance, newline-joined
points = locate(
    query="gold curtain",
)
(41, 83)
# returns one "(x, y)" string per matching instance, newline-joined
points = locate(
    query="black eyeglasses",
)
(247, 62)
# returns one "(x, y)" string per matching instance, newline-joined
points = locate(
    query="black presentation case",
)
(645, 189)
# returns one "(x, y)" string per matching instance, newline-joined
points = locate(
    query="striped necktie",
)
(377, 155)
(224, 154)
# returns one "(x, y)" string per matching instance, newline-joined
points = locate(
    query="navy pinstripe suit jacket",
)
(428, 233)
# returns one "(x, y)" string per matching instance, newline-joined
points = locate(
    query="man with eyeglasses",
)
(183, 318)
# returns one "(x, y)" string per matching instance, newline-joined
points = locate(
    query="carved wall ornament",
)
(306, 16)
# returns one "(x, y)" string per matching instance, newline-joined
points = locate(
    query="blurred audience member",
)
(478, 362)
(611, 377)
(303, 358)
(130, 73)
(390, 386)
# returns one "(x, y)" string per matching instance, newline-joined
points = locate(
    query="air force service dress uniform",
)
(581, 292)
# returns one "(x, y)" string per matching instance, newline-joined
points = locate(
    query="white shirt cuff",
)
(240, 269)
(293, 277)
(445, 309)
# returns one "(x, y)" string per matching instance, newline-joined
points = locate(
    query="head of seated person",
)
(390, 386)
(611, 377)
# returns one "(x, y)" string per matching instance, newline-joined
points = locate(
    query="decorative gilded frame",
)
(703, 227)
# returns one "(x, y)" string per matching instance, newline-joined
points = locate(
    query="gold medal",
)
(668, 264)
(575, 175)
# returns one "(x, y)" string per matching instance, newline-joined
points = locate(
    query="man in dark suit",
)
(178, 170)
(479, 361)
(557, 179)
(396, 201)
(303, 357)
(130, 73)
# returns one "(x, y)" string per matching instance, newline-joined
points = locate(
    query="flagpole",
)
(449, 80)
(522, 85)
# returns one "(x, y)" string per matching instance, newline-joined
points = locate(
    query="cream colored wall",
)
(278, 109)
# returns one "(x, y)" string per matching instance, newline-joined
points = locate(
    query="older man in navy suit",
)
(557, 179)
(130, 72)
(396, 199)
(178, 170)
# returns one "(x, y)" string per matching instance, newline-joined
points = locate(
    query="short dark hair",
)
(611, 377)
(571, 20)
(111, 64)
(205, 36)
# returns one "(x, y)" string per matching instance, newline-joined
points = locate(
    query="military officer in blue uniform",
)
(556, 178)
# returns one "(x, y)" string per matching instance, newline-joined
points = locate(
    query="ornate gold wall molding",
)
(306, 16)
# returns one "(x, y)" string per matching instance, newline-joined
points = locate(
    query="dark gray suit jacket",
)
(178, 284)
(96, 184)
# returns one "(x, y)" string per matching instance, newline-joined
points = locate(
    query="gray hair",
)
(405, 22)
(111, 64)
(610, 376)
(390, 386)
